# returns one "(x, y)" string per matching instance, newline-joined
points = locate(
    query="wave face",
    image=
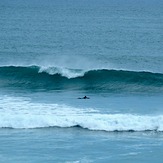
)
(53, 78)
(21, 113)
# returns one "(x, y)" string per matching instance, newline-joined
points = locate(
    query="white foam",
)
(22, 113)
(69, 73)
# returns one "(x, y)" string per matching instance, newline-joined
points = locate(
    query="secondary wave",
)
(53, 78)
(22, 113)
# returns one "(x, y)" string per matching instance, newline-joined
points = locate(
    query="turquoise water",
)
(53, 53)
(78, 145)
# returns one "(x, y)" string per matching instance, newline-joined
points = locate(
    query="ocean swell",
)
(54, 78)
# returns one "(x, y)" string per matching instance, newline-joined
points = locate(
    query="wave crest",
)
(53, 78)
(65, 72)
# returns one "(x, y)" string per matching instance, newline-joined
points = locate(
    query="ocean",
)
(55, 52)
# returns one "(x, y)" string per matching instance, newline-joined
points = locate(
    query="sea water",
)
(52, 53)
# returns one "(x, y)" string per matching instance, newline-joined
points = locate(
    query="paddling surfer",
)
(85, 97)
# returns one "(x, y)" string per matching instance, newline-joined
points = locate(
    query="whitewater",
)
(22, 113)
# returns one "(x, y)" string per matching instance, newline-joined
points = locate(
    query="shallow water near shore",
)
(79, 145)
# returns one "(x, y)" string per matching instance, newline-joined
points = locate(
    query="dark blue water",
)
(53, 53)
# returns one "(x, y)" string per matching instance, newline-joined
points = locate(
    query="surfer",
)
(85, 97)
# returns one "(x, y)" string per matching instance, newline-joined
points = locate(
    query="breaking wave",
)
(21, 113)
(54, 78)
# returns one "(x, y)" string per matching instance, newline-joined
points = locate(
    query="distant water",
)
(52, 53)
